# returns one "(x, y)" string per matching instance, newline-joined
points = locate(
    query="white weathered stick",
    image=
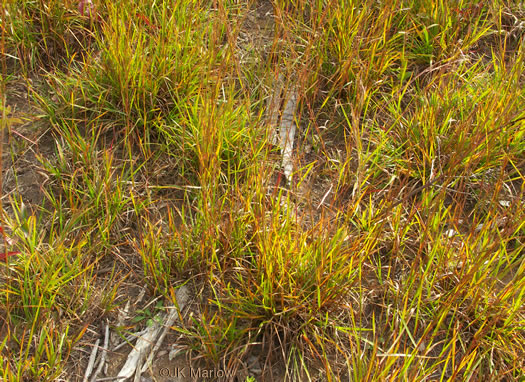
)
(121, 318)
(287, 131)
(146, 341)
(138, 372)
(91, 362)
(182, 295)
(103, 355)
(142, 346)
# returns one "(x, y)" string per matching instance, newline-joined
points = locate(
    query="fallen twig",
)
(91, 362)
(154, 334)
(103, 355)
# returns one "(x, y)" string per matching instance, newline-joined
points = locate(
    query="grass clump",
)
(395, 252)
